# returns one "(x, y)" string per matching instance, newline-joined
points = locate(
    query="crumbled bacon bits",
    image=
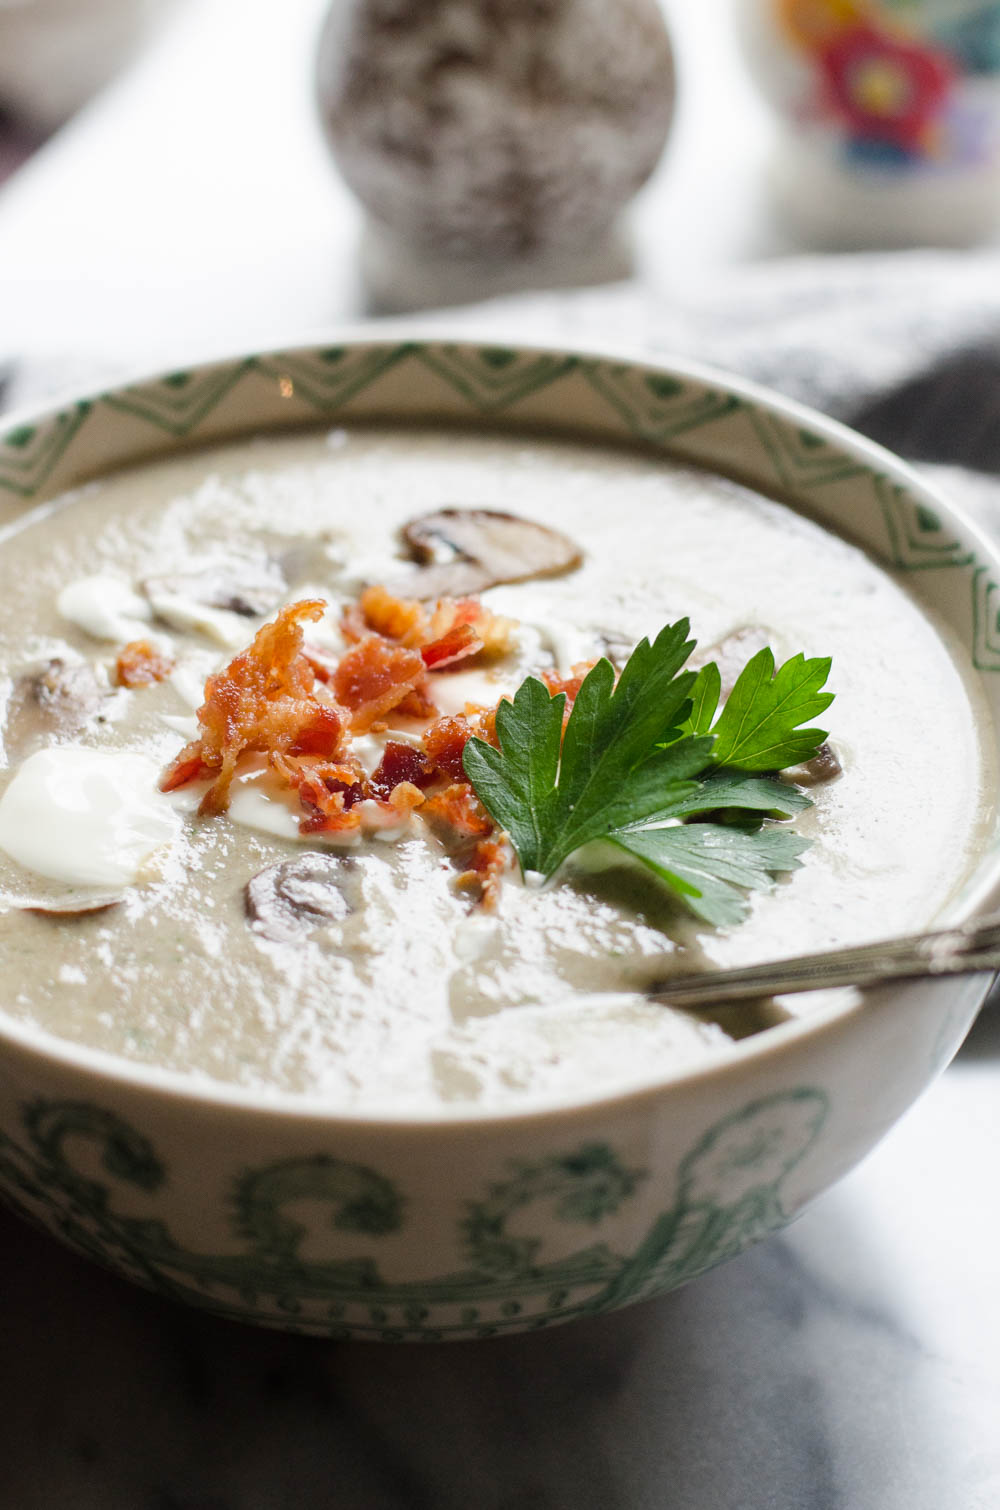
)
(454, 629)
(459, 642)
(140, 664)
(460, 809)
(377, 611)
(495, 632)
(401, 764)
(265, 700)
(302, 708)
(447, 737)
(569, 684)
(328, 791)
(374, 677)
(487, 863)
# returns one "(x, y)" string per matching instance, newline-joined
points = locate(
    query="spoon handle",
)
(968, 949)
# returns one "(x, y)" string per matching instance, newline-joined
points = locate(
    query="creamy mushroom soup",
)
(362, 965)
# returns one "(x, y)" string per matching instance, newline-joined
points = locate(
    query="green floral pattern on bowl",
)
(728, 1195)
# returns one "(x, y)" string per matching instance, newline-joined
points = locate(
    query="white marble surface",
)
(852, 1363)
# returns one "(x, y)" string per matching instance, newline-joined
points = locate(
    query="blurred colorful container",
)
(891, 111)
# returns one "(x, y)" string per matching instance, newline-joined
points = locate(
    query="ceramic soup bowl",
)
(465, 1224)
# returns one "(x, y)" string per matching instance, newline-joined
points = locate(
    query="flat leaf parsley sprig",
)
(651, 765)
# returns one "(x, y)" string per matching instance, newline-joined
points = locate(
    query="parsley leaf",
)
(622, 760)
(708, 864)
(723, 790)
(640, 764)
(758, 729)
(705, 696)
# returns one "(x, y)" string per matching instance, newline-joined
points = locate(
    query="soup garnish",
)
(645, 760)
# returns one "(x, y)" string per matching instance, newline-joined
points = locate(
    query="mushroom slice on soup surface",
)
(59, 698)
(286, 902)
(824, 766)
(248, 588)
(465, 551)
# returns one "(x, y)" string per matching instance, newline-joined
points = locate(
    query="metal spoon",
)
(968, 949)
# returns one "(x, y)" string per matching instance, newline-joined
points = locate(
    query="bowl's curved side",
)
(446, 1228)
(427, 1233)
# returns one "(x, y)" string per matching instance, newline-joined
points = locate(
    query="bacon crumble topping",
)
(373, 678)
(140, 664)
(453, 623)
(301, 708)
(266, 701)
(569, 684)
(327, 790)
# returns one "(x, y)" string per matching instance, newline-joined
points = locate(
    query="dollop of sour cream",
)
(106, 608)
(258, 800)
(88, 817)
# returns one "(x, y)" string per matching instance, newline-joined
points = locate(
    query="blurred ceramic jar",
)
(892, 116)
(493, 141)
(55, 54)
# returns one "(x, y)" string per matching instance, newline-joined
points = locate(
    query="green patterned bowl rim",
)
(972, 550)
